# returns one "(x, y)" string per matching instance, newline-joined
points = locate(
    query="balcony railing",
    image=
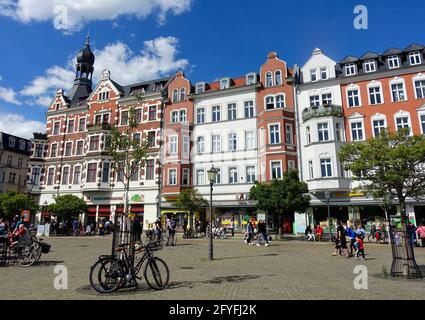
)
(329, 110)
(99, 127)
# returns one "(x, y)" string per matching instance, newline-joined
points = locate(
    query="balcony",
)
(101, 127)
(329, 110)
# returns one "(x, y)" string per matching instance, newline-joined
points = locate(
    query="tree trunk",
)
(406, 262)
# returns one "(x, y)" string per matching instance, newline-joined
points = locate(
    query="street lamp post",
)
(212, 175)
(328, 197)
(29, 186)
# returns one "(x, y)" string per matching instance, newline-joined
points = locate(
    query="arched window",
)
(269, 79)
(175, 95)
(174, 117)
(182, 94)
(200, 177)
(233, 176)
(278, 78)
(269, 103)
(183, 116)
(280, 101)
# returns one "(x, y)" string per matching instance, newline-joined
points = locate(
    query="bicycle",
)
(377, 236)
(109, 273)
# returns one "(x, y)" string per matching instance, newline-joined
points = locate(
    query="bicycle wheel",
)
(27, 257)
(371, 238)
(106, 275)
(157, 274)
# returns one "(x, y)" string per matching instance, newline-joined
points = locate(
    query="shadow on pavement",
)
(246, 257)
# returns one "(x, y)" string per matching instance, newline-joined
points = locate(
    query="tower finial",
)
(88, 38)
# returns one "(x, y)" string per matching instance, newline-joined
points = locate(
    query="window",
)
(357, 131)
(71, 126)
(216, 114)
(250, 174)
(182, 94)
(200, 115)
(20, 162)
(98, 119)
(313, 75)
(289, 138)
(291, 165)
(393, 62)
(134, 176)
(200, 88)
(35, 175)
(233, 175)
(103, 96)
(175, 95)
(9, 160)
(174, 117)
(308, 134)
(278, 77)
(310, 170)
(50, 176)
(54, 150)
(415, 58)
(139, 115)
(65, 175)
(92, 172)
(280, 101)
(218, 177)
(402, 122)
(397, 90)
(124, 118)
(250, 79)
(231, 111)
(186, 144)
(269, 79)
(249, 109)
(68, 149)
(120, 172)
(224, 84)
(136, 138)
(12, 177)
(233, 142)
(274, 134)
(314, 101)
(353, 98)
(182, 116)
(152, 113)
(200, 145)
(338, 132)
(185, 177)
(326, 165)
(323, 130)
(80, 146)
(378, 127)
(350, 69)
(82, 124)
(249, 140)
(422, 117)
(375, 95)
(269, 103)
(105, 172)
(327, 99)
(173, 145)
(276, 170)
(216, 143)
(151, 139)
(172, 177)
(56, 127)
(200, 177)
(77, 175)
(150, 169)
(369, 66)
(38, 152)
(420, 89)
(324, 73)
(94, 143)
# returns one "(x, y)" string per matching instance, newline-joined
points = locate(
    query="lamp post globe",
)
(212, 176)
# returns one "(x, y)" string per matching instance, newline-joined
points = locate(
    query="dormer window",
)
(58, 105)
(324, 73)
(269, 79)
(11, 142)
(200, 88)
(250, 79)
(369, 66)
(175, 95)
(224, 84)
(350, 69)
(278, 78)
(393, 62)
(103, 96)
(313, 75)
(182, 94)
(415, 58)
(21, 144)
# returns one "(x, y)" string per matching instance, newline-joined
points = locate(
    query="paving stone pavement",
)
(285, 270)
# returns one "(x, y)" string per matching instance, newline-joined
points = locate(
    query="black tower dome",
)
(85, 62)
(86, 55)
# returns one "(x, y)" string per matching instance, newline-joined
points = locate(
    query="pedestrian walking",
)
(421, 234)
(359, 245)
(250, 232)
(341, 241)
(262, 233)
(352, 236)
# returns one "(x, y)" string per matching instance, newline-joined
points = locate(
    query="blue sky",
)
(207, 39)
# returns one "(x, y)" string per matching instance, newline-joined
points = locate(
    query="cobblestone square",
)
(285, 270)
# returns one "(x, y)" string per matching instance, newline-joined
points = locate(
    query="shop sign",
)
(137, 198)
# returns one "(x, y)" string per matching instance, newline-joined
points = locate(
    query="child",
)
(359, 245)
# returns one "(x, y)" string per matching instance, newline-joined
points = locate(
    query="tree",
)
(67, 206)
(287, 195)
(12, 204)
(190, 200)
(391, 166)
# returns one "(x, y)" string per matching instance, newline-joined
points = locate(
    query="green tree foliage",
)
(12, 204)
(190, 200)
(67, 206)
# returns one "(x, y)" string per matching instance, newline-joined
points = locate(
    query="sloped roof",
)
(349, 59)
(414, 47)
(392, 52)
(369, 55)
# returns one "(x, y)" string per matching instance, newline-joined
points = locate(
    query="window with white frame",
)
(250, 174)
(94, 143)
(82, 124)
(200, 177)
(415, 58)
(323, 130)
(310, 170)
(274, 134)
(216, 143)
(353, 96)
(324, 73)
(139, 116)
(183, 116)
(92, 172)
(231, 111)
(224, 84)
(350, 69)
(420, 89)
(314, 101)
(77, 175)
(35, 175)
(71, 124)
(173, 145)
(172, 177)
(50, 176)
(200, 145)
(291, 165)
(378, 127)
(422, 120)
(357, 130)
(249, 140)
(308, 134)
(174, 117)
(200, 88)
(200, 115)
(289, 135)
(104, 95)
(402, 122)
(233, 141)
(249, 109)
(65, 176)
(276, 167)
(105, 172)
(218, 176)
(327, 99)
(134, 172)
(269, 79)
(270, 103)
(375, 95)
(150, 169)
(56, 127)
(182, 94)
(326, 166)
(369, 66)
(68, 149)
(278, 78)
(397, 92)
(120, 172)
(124, 118)
(233, 175)
(152, 113)
(54, 150)
(313, 75)
(80, 147)
(38, 152)
(338, 131)
(216, 115)
(280, 101)
(185, 177)
(175, 95)
(250, 79)
(186, 144)
(393, 62)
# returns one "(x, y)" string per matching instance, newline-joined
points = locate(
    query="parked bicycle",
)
(377, 236)
(112, 273)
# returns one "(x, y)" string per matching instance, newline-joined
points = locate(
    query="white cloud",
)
(155, 60)
(77, 13)
(9, 95)
(20, 126)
